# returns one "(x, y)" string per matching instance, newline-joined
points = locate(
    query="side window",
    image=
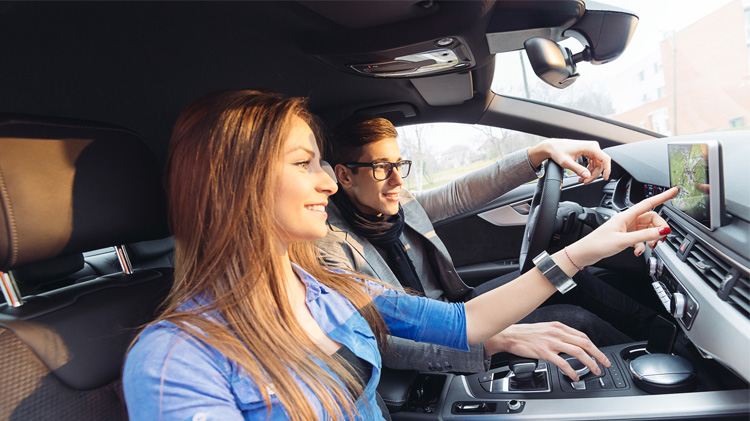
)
(442, 152)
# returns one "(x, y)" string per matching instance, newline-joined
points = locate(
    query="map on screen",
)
(688, 169)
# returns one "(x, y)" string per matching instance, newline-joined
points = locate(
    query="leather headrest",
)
(68, 186)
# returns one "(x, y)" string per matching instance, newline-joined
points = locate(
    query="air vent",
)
(606, 201)
(739, 297)
(731, 283)
(710, 267)
(675, 239)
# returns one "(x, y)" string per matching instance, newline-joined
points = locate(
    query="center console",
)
(639, 384)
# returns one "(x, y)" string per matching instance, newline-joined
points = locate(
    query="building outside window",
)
(660, 121)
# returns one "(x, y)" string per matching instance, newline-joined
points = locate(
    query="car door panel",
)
(485, 244)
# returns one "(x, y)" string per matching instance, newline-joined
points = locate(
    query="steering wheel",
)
(542, 214)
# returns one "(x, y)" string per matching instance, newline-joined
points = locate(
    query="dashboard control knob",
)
(514, 405)
(653, 265)
(677, 307)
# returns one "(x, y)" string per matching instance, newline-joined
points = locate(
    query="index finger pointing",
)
(646, 205)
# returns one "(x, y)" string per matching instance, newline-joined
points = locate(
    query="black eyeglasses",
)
(382, 170)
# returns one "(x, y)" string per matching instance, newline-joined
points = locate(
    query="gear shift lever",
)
(525, 377)
(523, 368)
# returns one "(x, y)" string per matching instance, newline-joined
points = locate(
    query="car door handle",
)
(509, 215)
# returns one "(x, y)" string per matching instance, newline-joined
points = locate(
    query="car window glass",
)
(684, 71)
(441, 152)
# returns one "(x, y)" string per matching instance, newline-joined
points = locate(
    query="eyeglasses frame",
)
(393, 165)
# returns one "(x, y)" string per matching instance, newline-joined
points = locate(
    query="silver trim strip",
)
(10, 289)
(466, 387)
(646, 407)
(122, 256)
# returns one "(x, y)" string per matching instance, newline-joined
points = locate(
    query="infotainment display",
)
(695, 167)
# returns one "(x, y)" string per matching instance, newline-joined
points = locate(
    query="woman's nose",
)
(326, 184)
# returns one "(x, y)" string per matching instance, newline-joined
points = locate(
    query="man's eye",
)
(379, 166)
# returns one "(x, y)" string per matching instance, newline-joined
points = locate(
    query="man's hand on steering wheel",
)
(565, 152)
(543, 210)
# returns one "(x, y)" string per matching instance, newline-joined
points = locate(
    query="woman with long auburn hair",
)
(255, 327)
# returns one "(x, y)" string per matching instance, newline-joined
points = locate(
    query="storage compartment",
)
(424, 394)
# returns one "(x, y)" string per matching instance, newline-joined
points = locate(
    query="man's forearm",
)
(405, 354)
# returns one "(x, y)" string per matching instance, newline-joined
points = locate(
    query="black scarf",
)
(384, 233)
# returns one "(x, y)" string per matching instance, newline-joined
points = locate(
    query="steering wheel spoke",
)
(542, 214)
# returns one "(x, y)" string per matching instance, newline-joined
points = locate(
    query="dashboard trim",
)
(717, 321)
(701, 404)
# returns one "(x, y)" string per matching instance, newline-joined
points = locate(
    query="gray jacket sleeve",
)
(405, 354)
(476, 188)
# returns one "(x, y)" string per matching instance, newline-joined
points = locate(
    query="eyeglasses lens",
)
(381, 171)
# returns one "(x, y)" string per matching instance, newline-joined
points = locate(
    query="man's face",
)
(373, 196)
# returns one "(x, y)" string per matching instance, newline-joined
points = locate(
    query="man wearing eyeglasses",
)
(378, 228)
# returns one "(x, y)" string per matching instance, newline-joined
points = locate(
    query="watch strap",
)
(553, 273)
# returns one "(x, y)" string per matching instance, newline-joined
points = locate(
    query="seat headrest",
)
(68, 186)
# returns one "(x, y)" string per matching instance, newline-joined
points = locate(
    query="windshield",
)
(686, 70)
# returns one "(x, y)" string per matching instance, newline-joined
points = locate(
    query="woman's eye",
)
(303, 164)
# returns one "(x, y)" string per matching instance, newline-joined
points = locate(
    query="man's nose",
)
(395, 178)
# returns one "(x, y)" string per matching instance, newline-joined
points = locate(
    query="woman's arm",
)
(519, 297)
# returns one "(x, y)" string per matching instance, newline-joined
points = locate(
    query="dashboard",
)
(701, 276)
(630, 191)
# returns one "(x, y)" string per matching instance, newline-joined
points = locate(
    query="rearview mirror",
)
(551, 62)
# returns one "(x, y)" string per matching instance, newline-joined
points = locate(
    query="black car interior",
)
(90, 91)
(67, 187)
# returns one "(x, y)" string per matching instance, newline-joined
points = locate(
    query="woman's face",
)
(303, 188)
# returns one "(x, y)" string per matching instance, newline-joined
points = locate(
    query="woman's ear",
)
(343, 175)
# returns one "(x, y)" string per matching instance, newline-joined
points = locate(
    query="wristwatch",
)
(553, 273)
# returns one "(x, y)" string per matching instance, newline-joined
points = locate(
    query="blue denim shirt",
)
(172, 375)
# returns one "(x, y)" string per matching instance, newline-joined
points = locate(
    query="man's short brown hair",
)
(352, 134)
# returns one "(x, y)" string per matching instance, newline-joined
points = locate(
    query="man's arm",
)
(476, 188)
(405, 354)
(481, 186)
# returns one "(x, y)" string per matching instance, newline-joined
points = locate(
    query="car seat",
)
(69, 186)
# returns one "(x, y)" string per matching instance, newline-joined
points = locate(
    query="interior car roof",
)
(138, 64)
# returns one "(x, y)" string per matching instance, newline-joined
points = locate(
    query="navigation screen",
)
(688, 169)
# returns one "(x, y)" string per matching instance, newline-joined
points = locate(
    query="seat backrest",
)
(67, 187)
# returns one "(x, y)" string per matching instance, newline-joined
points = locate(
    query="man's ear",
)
(343, 175)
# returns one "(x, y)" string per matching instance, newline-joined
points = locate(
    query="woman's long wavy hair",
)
(224, 157)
